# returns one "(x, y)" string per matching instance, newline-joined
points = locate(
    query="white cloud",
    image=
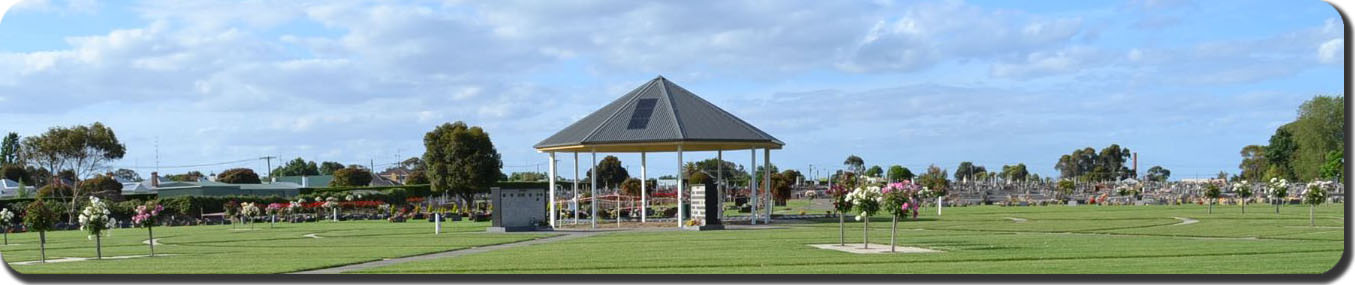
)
(1332, 51)
(928, 33)
(358, 79)
(1037, 64)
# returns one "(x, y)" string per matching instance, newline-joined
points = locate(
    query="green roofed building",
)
(316, 181)
(208, 188)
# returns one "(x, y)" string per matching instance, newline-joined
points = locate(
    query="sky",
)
(1186, 84)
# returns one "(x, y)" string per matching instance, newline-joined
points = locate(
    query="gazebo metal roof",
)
(659, 116)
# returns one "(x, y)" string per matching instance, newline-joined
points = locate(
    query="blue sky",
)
(1186, 84)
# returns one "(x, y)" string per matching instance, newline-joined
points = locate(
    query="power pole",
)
(268, 160)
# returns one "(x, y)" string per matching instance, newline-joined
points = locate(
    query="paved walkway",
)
(1185, 221)
(566, 235)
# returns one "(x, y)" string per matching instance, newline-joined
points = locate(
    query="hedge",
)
(196, 205)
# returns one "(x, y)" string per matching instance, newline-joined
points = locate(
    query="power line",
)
(190, 166)
(523, 166)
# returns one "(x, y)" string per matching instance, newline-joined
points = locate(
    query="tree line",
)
(70, 163)
(1312, 147)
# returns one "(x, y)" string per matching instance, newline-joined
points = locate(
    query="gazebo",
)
(659, 116)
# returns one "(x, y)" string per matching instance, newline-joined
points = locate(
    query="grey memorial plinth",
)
(518, 210)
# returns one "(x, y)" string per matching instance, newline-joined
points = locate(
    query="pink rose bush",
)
(900, 200)
(145, 216)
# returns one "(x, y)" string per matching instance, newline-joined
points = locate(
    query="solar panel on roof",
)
(643, 110)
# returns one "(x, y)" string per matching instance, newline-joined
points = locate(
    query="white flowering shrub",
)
(95, 219)
(866, 200)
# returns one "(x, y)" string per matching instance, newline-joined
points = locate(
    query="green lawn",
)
(1056, 239)
(223, 249)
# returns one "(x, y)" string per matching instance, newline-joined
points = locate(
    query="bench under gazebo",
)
(659, 116)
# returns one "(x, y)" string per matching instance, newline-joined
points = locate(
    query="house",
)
(130, 187)
(397, 175)
(378, 180)
(11, 188)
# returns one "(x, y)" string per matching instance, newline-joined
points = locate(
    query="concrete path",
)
(1185, 221)
(874, 248)
(447, 254)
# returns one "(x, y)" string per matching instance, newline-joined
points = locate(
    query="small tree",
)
(1314, 195)
(7, 221)
(842, 205)
(1211, 193)
(1278, 190)
(867, 201)
(896, 202)
(101, 186)
(898, 173)
(229, 210)
(296, 167)
(95, 220)
(328, 167)
(351, 176)
(461, 160)
(935, 181)
(875, 171)
(416, 177)
(1065, 188)
(332, 205)
(248, 211)
(38, 217)
(781, 188)
(632, 186)
(610, 172)
(294, 207)
(145, 216)
(1243, 190)
(273, 210)
(238, 176)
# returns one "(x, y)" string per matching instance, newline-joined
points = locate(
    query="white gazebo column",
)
(553, 212)
(680, 175)
(576, 188)
(767, 176)
(644, 197)
(752, 188)
(593, 192)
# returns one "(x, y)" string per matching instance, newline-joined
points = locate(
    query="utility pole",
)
(268, 160)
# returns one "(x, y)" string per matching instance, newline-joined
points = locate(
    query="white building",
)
(10, 188)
